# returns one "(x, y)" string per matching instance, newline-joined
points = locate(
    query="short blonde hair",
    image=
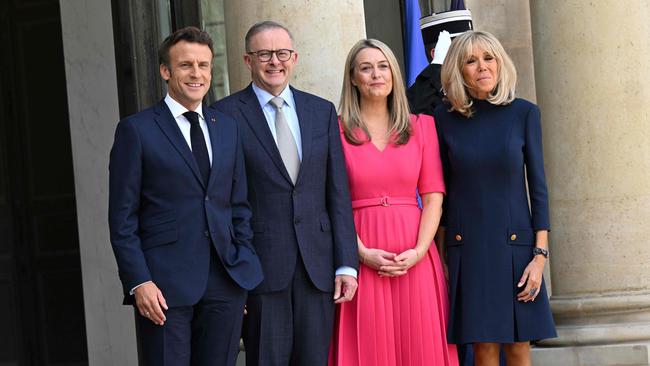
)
(349, 109)
(451, 74)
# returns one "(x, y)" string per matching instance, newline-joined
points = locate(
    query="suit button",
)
(207, 198)
(294, 193)
(296, 220)
(458, 237)
(206, 233)
(513, 237)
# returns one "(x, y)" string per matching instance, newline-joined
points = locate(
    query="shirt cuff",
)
(348, 271)
(133, 289)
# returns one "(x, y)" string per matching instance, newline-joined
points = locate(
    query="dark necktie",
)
(199, 149)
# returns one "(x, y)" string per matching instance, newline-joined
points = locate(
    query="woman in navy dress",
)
(497, 245)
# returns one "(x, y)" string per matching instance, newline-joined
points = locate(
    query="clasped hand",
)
(390, 264)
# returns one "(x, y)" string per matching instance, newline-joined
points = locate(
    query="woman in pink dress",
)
(399, 314)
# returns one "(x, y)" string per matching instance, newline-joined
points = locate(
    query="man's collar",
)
(178, 109)
(264, 97)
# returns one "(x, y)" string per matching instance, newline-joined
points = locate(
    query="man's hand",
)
(150, 302)
(344, 288)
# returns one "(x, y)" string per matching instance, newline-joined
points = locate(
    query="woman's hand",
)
(402, 263)
(409, 257)
(532, 278)
(376, 258)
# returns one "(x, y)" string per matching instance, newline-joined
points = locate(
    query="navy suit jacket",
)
(312, 218)
(163, 218)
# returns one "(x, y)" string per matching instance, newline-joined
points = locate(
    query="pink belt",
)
(384, 201)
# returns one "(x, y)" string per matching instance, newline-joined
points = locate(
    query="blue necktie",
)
(199, 149)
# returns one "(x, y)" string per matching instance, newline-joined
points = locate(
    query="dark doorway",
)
(41, 297)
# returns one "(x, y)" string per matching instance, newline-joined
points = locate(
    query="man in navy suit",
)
(302, 216)
(178, 216)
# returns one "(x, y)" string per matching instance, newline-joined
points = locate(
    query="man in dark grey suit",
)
(302, 216)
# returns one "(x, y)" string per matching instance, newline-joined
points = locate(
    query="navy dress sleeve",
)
(534, 161)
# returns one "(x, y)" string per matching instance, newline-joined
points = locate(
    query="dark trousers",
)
(206, 333)
(292, 327)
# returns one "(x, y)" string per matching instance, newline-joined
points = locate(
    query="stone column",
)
(592, 86)
(323, 31)
(93, 107)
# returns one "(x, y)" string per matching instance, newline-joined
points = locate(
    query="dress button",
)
(458, 237)
(513, 237)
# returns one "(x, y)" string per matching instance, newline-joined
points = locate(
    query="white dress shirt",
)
(177, 111)
(289, 109)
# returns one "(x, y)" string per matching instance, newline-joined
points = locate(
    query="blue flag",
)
(416, 60)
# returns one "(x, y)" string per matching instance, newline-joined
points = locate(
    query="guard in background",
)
(437, 32)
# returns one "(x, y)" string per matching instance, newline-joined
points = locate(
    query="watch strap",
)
(540, 251)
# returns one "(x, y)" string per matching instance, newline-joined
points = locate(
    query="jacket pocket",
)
(524, 237)
(159, 235)
(159, 219)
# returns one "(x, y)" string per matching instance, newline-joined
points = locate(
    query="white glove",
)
(442, 47)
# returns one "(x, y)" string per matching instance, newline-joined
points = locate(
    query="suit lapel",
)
(168, 125)
(252, 111)
(303, 111)
(217, 142)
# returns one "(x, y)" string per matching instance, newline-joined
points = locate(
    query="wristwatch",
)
(541, 251)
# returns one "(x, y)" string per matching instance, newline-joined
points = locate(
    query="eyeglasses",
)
(266, 55)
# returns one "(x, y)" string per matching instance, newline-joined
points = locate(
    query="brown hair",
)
(187, 34)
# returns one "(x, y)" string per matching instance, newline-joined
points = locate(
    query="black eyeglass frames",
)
(282, 54)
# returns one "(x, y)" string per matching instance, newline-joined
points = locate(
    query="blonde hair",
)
(350, 110)
(451, 74)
